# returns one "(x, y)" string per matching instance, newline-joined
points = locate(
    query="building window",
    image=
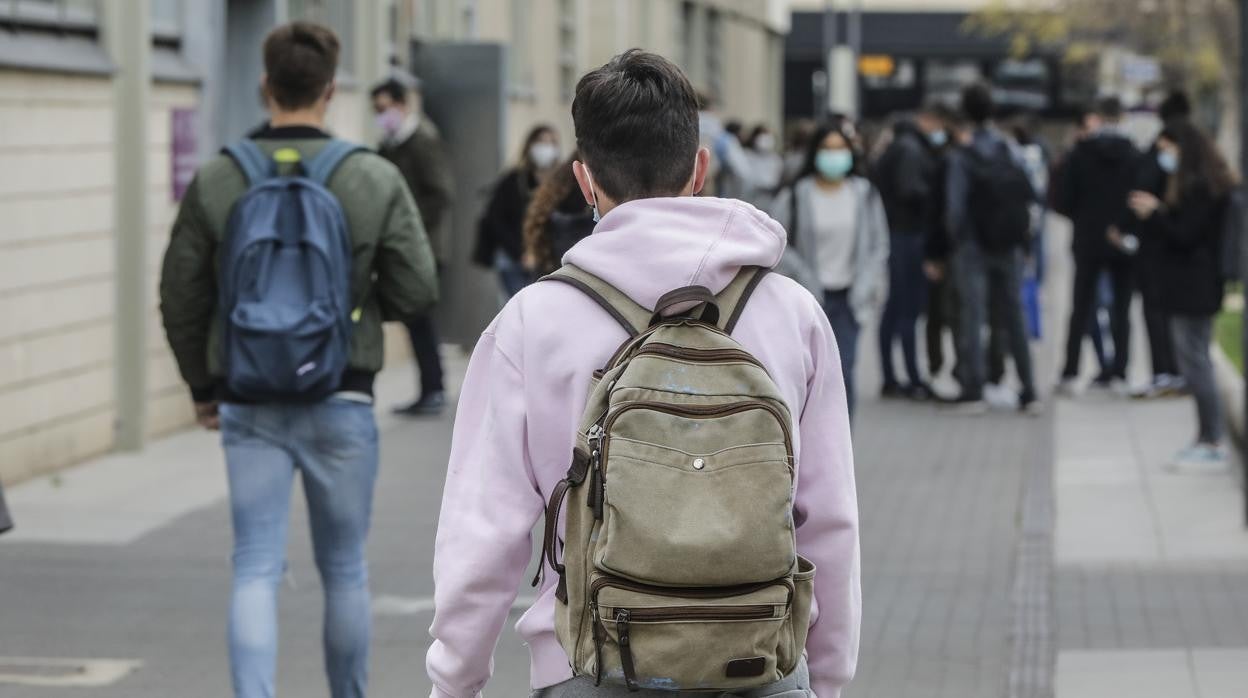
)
(338, 15)
(686, 33)
(64, 15)
(166, 19)
(714, 65)
(520, 53)
(567, 49)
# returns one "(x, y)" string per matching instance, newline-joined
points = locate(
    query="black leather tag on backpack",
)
(746, 668)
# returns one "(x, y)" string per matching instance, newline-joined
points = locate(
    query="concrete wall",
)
(56, 270)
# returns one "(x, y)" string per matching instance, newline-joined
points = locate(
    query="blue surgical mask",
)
(938, 138)
(1167, 161)
(834, 163)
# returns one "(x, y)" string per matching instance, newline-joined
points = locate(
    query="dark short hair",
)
(1176, 105)
(391, 88)
(300, 60)
(1109, 108)
(977, 103)
(636, 122)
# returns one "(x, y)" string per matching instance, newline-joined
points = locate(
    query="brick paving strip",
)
(1033, 650)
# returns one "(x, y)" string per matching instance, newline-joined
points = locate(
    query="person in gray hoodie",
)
(838, 239)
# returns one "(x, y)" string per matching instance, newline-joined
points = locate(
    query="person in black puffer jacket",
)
(1095, 180)
(1187, 223)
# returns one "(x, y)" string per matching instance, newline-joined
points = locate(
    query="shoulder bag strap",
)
(631, 316)
(733, 299)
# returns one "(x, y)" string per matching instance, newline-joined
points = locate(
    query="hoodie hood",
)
(648, 247)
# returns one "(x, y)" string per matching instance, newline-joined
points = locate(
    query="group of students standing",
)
(1163, 223)
(940, 224)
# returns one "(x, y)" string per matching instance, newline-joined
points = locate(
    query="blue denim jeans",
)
(845, 328)
(907, 295)
(333, 445)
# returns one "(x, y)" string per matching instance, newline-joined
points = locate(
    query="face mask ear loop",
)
(593, 194)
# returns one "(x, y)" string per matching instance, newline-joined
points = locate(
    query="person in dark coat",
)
(906, 175)
(500, 234)
(1166, 379)
(1095, 180)
(1187, 222)
(411, 141)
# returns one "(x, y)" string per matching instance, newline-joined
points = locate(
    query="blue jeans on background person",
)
(511, 275)
(907, 294)
(333, 446)
(845, 328)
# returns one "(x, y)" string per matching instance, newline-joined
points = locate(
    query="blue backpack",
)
(285, 280)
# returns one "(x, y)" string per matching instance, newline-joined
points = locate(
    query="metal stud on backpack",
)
(679, 569)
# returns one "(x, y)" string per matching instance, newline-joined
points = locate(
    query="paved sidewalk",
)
(1151, 581)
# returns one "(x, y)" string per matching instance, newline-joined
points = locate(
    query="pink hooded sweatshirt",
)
(525, 389)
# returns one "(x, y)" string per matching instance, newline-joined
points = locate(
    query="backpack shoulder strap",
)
(321, 167)
(733, 299)
(256, 166)
(631, 316)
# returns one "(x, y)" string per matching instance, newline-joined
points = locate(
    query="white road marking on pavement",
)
(59, 672)
(389, 605)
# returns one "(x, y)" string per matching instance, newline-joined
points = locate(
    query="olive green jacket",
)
(393, 276)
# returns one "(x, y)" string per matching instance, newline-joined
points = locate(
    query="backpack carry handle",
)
(691, 296)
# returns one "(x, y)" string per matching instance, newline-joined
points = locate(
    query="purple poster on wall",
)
(184, 147)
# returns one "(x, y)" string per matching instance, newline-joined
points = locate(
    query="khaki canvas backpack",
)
(679, 567)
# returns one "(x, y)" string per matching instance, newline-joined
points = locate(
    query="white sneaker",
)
(1201, 459)
(1000, 397)
(1120, 387)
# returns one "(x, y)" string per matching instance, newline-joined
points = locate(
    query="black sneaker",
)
(892, 391)
(920, 392)
(428, 405)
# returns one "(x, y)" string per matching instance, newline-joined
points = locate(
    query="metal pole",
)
(855, 43)
(125, 26)
(1243, 168)
(829, 41)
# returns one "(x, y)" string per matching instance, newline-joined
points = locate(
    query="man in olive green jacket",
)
(331, 443)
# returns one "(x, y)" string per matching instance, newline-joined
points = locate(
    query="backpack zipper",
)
(686, 592)
(698, 355)
(622, 618)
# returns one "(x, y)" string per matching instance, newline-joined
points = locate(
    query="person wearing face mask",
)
(1187, 223)
(411, 141)
(500, 233)
(906, 174)
(766, 166)
(839, 239)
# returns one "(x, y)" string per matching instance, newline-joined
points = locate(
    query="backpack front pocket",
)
(690, 639)
(717, 512)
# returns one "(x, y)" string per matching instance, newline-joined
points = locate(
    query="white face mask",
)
(765, 143)
(544, 154)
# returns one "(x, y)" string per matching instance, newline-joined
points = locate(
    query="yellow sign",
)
(876, 66)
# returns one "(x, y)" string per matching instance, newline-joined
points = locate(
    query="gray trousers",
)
(795, 685)
(982, 278)
(1192, 335)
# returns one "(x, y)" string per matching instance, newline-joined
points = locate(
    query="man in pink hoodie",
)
(637, 131)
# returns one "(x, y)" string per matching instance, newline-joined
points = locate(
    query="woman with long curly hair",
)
(557, 219)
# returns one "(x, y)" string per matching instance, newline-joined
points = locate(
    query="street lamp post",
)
(1243, 168)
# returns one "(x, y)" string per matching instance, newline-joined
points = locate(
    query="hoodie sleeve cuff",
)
(203, 394)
